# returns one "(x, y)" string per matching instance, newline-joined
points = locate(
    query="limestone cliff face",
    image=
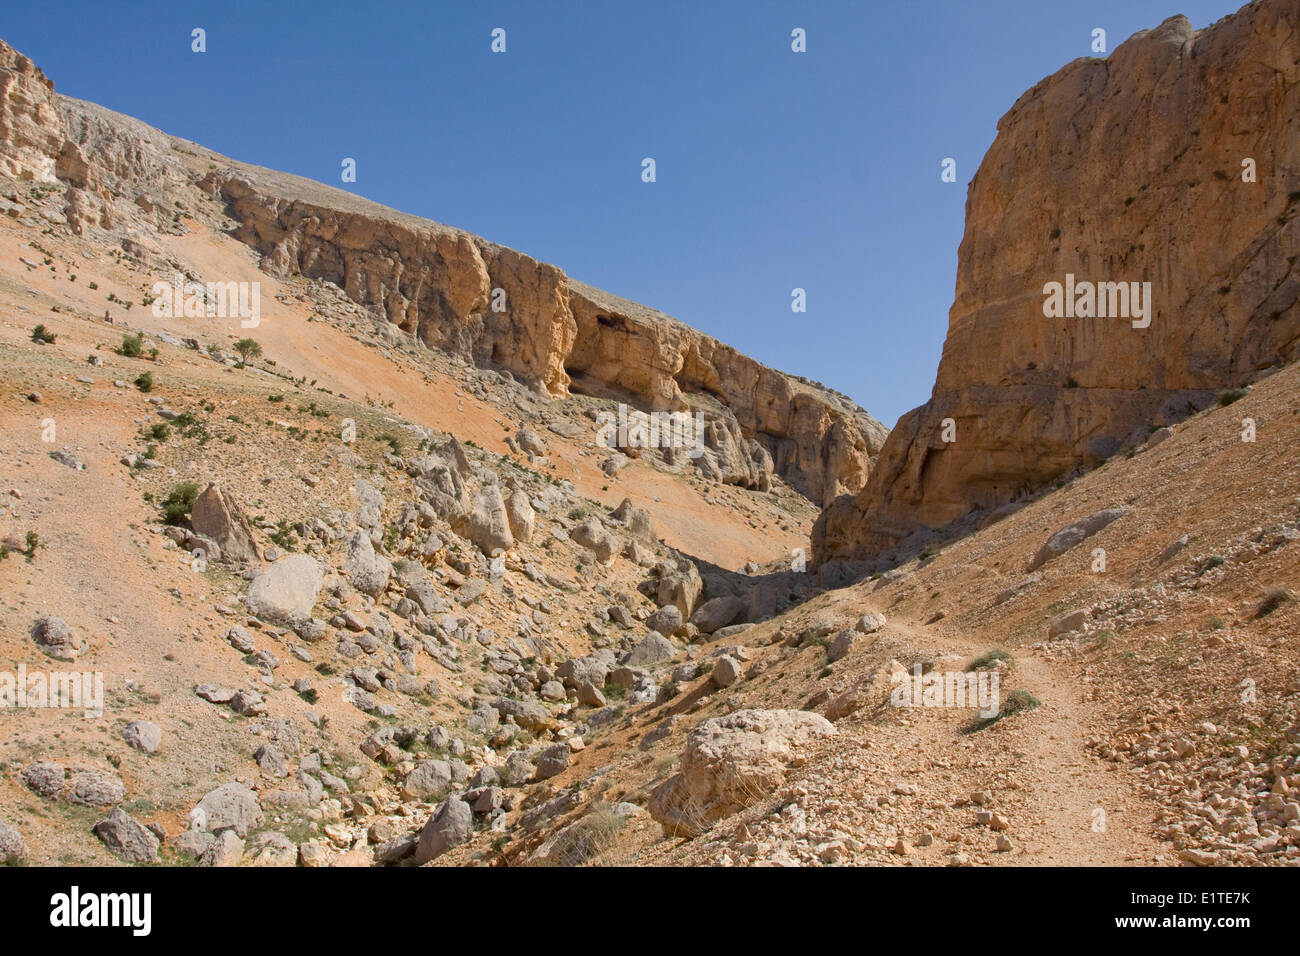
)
(500, 308)
(31, 127)
(1124, 169)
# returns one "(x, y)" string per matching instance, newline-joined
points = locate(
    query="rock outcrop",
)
(442, 286)
(31, 125)
(217, 515)
(1126, 169)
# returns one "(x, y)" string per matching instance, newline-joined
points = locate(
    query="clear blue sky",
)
(775, 170)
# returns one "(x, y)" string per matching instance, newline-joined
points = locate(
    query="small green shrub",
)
(991, 659)
(176, 506)
(132, 345)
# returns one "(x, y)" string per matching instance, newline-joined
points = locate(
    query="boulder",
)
(367, 571)
(1072, 534)
(370, 508)
(554, 760)
(726, 671)
(579, 670)
(94, 788)
(429, 779)
(871, 622)
(680, 584)
(450, 826)
(55, 637)
(272, 849)
(653, 649)
(521, 516)
(638, 520)
(667, 620)
(1068, 623)
(528, 714)
(841, 644)
(232, 806)
(717, 613)
(488, 524)
(125, 837)
(143, 735)
(732, 761)
(591, 534)
(12, 847)
(226, 849)
(286, 592)
(215, 514)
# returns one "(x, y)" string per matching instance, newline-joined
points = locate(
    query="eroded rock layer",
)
(441, 285)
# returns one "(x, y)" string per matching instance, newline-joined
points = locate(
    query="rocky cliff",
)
(1127, 169)
(549, 331)
(454, 291)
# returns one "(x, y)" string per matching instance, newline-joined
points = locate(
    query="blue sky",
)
(775, 170)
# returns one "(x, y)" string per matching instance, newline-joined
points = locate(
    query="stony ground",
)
(500, 662)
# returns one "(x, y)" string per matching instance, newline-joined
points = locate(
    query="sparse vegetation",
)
(589, 837)
(247, 349)
(176, 506)
(132, 345)
(1016, 702)
(43, 336)
(991, 659)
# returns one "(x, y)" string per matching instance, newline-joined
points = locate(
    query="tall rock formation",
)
(1125, 169)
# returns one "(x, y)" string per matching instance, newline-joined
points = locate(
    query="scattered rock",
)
(53, 636)
(125, 837)
(231, 806)
(143, 735)
(726, 671)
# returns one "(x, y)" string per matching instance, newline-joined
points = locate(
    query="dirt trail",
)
(1068, 806)
(1086, 811)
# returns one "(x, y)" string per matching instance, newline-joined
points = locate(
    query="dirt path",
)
(1082, 810)
(1066, 805)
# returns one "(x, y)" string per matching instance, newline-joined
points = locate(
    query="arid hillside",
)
(364, 584)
